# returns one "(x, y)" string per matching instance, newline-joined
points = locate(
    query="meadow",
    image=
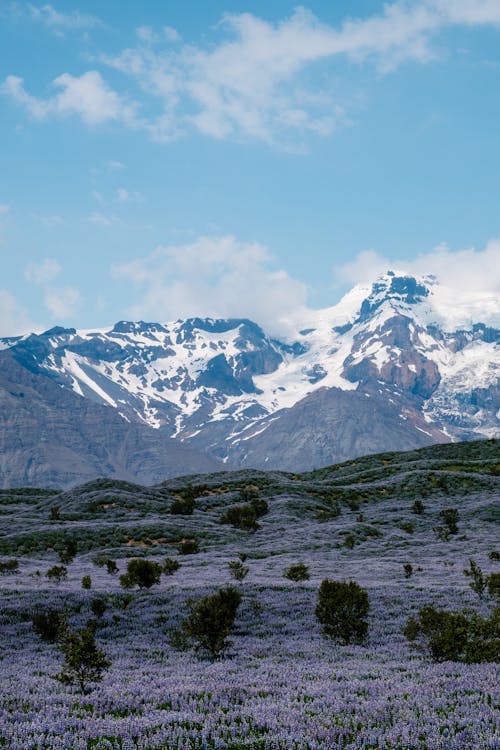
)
(280, 684)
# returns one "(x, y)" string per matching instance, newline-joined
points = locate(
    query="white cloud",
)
(128, 196)
(62, 302)
(87, 96)
(254, 80)
(102, 220)
(114, 164)
(58, 21)
(41, 273)
(14, 319)
(216, 277)
(470, 269)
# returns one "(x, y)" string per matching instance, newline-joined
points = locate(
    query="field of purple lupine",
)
(281, 683)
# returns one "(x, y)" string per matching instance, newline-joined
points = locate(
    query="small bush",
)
(449, 523)
(8, 567)
(57, 573)
(494, 555)
(241, 517)
(407, 526)
(455, 636)
(210, 621)
(478, 583)
(188, 547)
(170, 566)
(350, 541)
(408, 569)
(55, 513)
(342, 609)
(67, 551)
(98, 606)
(86, 582)
(108, 563)
(142, 573)
(49, 624)
(238, 570)
(298, 572)
(183, 506)
(493, 583)
(418, 508)
(84, 662)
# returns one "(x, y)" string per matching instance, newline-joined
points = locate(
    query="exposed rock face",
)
(394, 365)
(51, 437)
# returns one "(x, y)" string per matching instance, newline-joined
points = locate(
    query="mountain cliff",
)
(397, 364)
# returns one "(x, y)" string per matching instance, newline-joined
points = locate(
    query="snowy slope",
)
(217, 381)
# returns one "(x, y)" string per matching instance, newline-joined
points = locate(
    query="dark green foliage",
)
(418, 508)
(241, 517)
(142, 573)
(183, 506)
(456, 636)
(49, 624)
(245, 516)
(407, 526)
(298, 572)
(342, 609)
(55, 513)
(98, 606)
(108, 563)
(350, 541)
(238, 570)
(188, 547)
(67, 551)
(494, 555)
(57, 573)
(170, 566)
(210, 621)
(84, 662)
(86, 582)
(9, 566)
(408, 569)
(449, 523)
(111, 566)
(478, 582)
(493, 583)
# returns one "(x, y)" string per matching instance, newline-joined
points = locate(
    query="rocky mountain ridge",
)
(398, 364)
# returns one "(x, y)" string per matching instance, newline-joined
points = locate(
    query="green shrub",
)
(210, 621)
(455, 636)
(67, 551)
(297, 572)
(98, 606)
(170, 566)
(84, 662)
(142, 573)
(493, 583)
(241, 517)
(238, 570)
(478, 583)
(408, 569)
(49, 624)
(57, 573)
(86, 582)
(182, 506)
(9, 566)
(449, 523)
(494, 555)
(188, 547)
(342, 609)
(418, 508)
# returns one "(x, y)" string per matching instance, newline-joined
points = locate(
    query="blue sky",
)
(163, 159)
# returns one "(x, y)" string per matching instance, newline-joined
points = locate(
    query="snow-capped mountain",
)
(406, 351)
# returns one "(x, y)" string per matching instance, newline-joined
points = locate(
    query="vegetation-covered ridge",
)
(117, 515)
